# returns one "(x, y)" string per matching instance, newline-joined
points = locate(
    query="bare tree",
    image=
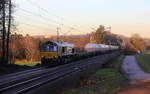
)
(5, 24)
(3, 28)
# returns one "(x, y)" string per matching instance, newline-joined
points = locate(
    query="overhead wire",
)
(68, 31)
(74, 26)
(38, 6)
(38, 21)
(36, 26)
(34, 14)
(39, 15)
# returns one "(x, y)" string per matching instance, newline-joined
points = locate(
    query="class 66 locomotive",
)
(55, 53)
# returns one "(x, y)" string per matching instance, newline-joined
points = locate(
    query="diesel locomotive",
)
(55, 52)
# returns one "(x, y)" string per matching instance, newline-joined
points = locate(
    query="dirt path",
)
(132, 69)
(139, 80)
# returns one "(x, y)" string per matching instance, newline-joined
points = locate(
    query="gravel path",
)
(139, 80)
(132, 69)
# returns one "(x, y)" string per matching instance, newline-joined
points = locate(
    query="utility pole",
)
(8, 32)
(58, 28)
(4, 32)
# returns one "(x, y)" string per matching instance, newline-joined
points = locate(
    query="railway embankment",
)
(75, 79)
(52, 81)
(106, 80)
(125, 75)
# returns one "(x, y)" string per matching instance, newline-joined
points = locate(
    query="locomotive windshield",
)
(48, 48)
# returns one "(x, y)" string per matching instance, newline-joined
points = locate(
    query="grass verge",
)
(144, 61)
(108, 80)
(17, 67)
(12, 68)
(30, 63)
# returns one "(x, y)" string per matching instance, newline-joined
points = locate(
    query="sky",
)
(42, 17)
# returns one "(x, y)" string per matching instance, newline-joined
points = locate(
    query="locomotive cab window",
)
(49, 48)
(52, 48)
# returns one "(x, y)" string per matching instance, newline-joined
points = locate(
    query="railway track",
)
(9, 76)
(38, 77)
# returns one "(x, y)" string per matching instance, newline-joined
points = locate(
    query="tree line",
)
(105, 37)
(27, 47)
(134, 44)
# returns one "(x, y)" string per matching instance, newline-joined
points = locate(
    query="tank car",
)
(91, 47)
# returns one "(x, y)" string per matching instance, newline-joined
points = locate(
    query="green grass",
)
(105, 81)
(31, 64)
(116, 64)
(146, 52)
(144, 61)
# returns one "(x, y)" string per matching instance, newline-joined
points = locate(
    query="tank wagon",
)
(57, 53)
(91, 47)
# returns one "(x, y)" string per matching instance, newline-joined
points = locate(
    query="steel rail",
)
(55, 73)
(17, 73)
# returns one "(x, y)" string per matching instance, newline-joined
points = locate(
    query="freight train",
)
(56, 53)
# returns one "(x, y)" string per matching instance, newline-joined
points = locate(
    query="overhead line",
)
(48, 19)
(43, 21)
(35, 4)
(38, 6)
(36, 26)
(29, 12)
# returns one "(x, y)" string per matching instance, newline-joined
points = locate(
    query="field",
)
(108, 80)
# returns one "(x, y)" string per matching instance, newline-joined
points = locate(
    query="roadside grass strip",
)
(144, 61)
